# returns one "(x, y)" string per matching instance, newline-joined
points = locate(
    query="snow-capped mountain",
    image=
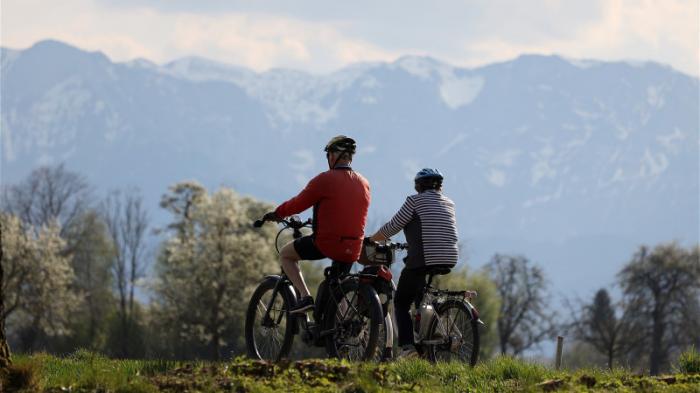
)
(573, 163)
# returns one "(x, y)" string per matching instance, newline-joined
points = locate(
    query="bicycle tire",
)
(258, 303)
(361, 321)
(453, 345)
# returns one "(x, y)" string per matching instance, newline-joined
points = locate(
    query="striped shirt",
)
(428, 220)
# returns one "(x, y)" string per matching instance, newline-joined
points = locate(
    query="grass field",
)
(89, 372)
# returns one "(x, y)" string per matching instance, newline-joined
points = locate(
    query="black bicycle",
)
(348, 318)
(446, 324)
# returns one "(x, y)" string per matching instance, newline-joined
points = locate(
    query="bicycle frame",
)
(283, 284)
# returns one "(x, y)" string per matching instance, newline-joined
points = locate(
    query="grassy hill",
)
(88, 372)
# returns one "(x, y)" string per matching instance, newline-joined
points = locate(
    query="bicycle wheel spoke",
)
(356, 323)
(349, 304)
(275, 340)
(262, 308)
(363, 339)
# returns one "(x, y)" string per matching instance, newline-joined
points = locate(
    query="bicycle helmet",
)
(341, 143)
(428, 174)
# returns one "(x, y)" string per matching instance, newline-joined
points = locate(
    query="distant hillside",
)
(573, 163)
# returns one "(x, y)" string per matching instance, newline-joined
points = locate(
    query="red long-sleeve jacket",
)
(340, 198)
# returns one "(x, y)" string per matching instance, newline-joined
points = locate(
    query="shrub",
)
(689, 362)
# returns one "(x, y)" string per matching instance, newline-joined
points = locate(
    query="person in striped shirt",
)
(428, 221)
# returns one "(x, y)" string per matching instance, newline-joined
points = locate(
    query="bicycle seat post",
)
(430, 279)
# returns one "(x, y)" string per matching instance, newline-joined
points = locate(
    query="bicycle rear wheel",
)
(453, 334)
(352, 322)
(268, 336)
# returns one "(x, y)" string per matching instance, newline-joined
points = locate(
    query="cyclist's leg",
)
(289, 259)
(302, 248)
(409, 288)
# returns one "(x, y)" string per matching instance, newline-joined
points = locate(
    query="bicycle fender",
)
(276, 277)
(474, 312)
(369, 291)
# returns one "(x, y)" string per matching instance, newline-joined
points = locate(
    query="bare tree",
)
(49, 193)
(524, 319)
(126, 222)
(598, 325)
(661, 286)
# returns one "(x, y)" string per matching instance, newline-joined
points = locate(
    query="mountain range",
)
(573, 163)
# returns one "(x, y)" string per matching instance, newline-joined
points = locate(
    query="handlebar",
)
(295, 223)
(381, 246)
(292, 222)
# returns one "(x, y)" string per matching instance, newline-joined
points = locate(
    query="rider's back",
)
(428, 220)
(340, 198)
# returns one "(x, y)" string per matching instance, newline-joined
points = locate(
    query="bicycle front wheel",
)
(352, 322)
(268, 326)
(453, 334)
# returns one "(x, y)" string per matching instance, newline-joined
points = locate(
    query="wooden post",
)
(560, 345)
(5, 359)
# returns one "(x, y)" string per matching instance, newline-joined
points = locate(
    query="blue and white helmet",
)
(428, 173)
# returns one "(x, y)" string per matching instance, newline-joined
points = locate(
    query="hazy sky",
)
(324, 35)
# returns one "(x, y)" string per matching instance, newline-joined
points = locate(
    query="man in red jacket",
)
(340, 198)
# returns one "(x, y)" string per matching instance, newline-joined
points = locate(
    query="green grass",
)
(88, 372)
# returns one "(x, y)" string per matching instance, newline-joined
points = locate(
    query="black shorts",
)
(306, 248)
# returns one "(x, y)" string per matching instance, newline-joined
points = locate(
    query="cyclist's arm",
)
(397, 223)
(308, 197)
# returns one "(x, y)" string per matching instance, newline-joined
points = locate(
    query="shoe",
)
(387, 355)
(305, 304)
(408, 352)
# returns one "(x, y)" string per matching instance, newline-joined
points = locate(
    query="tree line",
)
(75, 274)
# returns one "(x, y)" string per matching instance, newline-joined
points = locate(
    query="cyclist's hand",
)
(271, 216)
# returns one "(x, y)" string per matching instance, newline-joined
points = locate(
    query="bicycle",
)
(349, 323)
(377, 259)
(445, 322)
